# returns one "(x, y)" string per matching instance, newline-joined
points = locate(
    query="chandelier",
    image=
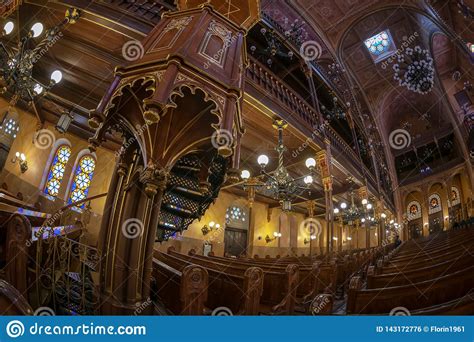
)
(337, 112)
(415, 70)
(16, 65)
(279, 183)
(275, 44)
(363, 213)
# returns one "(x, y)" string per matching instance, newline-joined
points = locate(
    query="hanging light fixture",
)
(279, 183)
(16, 65)
(64, 121)
(415, 70)
(276, 38)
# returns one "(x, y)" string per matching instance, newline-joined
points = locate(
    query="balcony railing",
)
(300, 111)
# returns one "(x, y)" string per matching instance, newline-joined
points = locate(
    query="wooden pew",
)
(279, 284)
(237, 290)
(413, 296)
(189, 285)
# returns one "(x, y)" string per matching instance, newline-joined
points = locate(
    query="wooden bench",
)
(239, 291)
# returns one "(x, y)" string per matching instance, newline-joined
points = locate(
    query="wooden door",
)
(415, 229)
(235, 241)
(436, 222)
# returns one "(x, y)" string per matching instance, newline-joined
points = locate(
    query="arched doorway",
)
(435, 212)
(415, 221)
(236, 230)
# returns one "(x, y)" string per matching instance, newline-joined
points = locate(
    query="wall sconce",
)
(276, 235)
(212, 226)
(21, 158)
(312, 237)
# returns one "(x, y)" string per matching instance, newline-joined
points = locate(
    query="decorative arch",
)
(81, 177)
(57, 163)
(434, 204)
(413, 210)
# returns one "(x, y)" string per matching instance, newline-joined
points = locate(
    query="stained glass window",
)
(455, 198)
(235, 214)
(56, 172)
(413, 210)
(10, 126)
(380, 45)
(82, 179)
(434, 204)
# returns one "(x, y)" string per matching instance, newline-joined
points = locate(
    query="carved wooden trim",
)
(177, 24)
(18, 236)
(287, 305)
(12, 302)
(253, 289)
(193, 290)
(354, 286)
(216, 29)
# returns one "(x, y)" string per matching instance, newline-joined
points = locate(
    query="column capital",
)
(154, 178)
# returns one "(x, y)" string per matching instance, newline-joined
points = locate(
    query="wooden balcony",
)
(267, 88)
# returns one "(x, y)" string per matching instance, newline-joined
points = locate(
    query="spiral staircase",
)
(187, 197)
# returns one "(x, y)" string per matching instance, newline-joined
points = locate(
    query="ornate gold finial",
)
(279, 123)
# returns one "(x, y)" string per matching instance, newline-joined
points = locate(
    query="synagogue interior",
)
(236, 157)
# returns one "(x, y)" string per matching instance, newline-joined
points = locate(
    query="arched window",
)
(56, 170)
(82, 179)
(455, 198)
(413, 210)
(434, 204)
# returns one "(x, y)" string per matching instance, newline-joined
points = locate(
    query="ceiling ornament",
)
(415, 70)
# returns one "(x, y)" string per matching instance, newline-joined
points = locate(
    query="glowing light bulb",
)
(245, 174)
(38, 89)
(56, 76)
(37, 29)
(8, 28)
(343, 205)
(262, 160)
(310, 163)
(336, 210)
(308, 180)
